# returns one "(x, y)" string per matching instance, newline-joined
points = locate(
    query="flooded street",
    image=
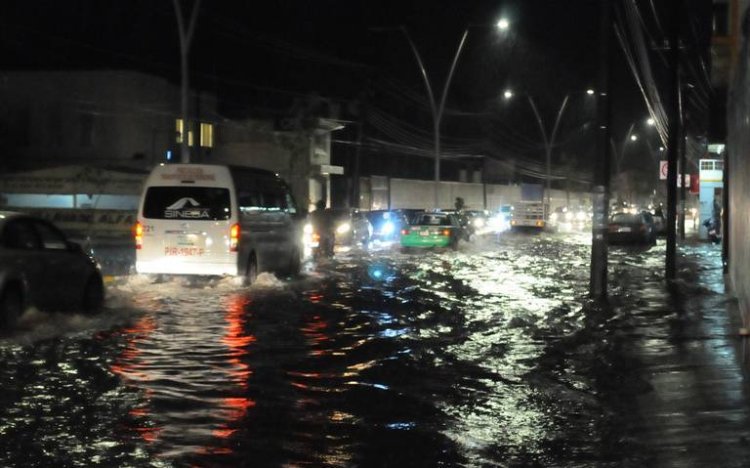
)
(487, 356)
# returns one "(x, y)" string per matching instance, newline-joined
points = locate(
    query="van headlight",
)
(343, 228)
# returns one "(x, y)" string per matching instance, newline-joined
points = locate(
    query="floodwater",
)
(488, 356)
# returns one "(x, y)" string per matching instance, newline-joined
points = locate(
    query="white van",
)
(200, 219)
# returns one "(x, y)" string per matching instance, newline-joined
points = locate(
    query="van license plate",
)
(183, 251)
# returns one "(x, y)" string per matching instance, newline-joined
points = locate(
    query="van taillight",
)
(138, 234)
(234, 237)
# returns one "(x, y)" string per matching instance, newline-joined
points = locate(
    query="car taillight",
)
(138, 234)
(446, 232)
(234, 237)
(404, 232)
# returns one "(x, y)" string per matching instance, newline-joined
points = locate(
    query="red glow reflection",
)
(237, 341)
(126, 367)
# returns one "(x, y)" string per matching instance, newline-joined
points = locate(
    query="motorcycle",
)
(714, 234)
(322, 245)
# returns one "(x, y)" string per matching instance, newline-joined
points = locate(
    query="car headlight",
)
(568, 216)
(387, 228)
(343, 228)
(308, 229)
(553, 217)
(479, 223)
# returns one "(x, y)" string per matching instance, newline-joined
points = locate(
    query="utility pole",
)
(674, 140)
(598, 283)
(186, 36)
(355, 193)
(682, 166)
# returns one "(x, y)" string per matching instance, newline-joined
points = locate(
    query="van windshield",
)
(208, 203)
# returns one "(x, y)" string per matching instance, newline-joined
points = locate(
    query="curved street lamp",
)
(438, 108)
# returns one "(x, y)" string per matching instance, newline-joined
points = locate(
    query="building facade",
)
(125, 119)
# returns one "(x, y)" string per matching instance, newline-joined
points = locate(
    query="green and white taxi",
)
(432, 229)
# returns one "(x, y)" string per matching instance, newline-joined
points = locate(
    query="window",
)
(719, 165)
(196, 203)
(207, 135)
(707, 165)
(52, 239)
(178, 130)
(19, 234)
(257, 200)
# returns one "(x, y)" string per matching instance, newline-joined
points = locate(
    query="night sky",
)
(262, 57)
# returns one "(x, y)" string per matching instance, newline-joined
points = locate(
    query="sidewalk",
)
(696, 411)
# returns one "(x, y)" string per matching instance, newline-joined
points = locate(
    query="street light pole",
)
(620, 150)
(437, 109)
(186, 36)
(549, 142)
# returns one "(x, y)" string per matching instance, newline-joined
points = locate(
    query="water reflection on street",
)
(488, 356)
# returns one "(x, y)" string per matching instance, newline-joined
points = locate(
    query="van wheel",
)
(11, 308)
(251, 273)
(93, 295)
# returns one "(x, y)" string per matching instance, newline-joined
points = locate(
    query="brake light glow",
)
(446, 232)
(234, 237)
(138, 234)
(404, 232)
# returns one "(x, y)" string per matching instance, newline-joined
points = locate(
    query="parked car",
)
(386, 224)
(40, 267)
(632, 228)
(432, 229)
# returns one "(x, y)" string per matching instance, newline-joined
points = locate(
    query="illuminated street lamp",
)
(549, 140)
(437, 108)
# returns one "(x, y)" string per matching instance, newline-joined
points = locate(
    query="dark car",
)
(632, 228)
(478, 220)
(351, 227)
(40, 267)
(386, 224)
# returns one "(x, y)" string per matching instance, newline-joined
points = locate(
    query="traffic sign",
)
(663, 167)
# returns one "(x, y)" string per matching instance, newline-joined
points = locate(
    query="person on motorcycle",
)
(323, 226)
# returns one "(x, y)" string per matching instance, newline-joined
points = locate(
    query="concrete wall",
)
(738, 172)
(410, 193)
